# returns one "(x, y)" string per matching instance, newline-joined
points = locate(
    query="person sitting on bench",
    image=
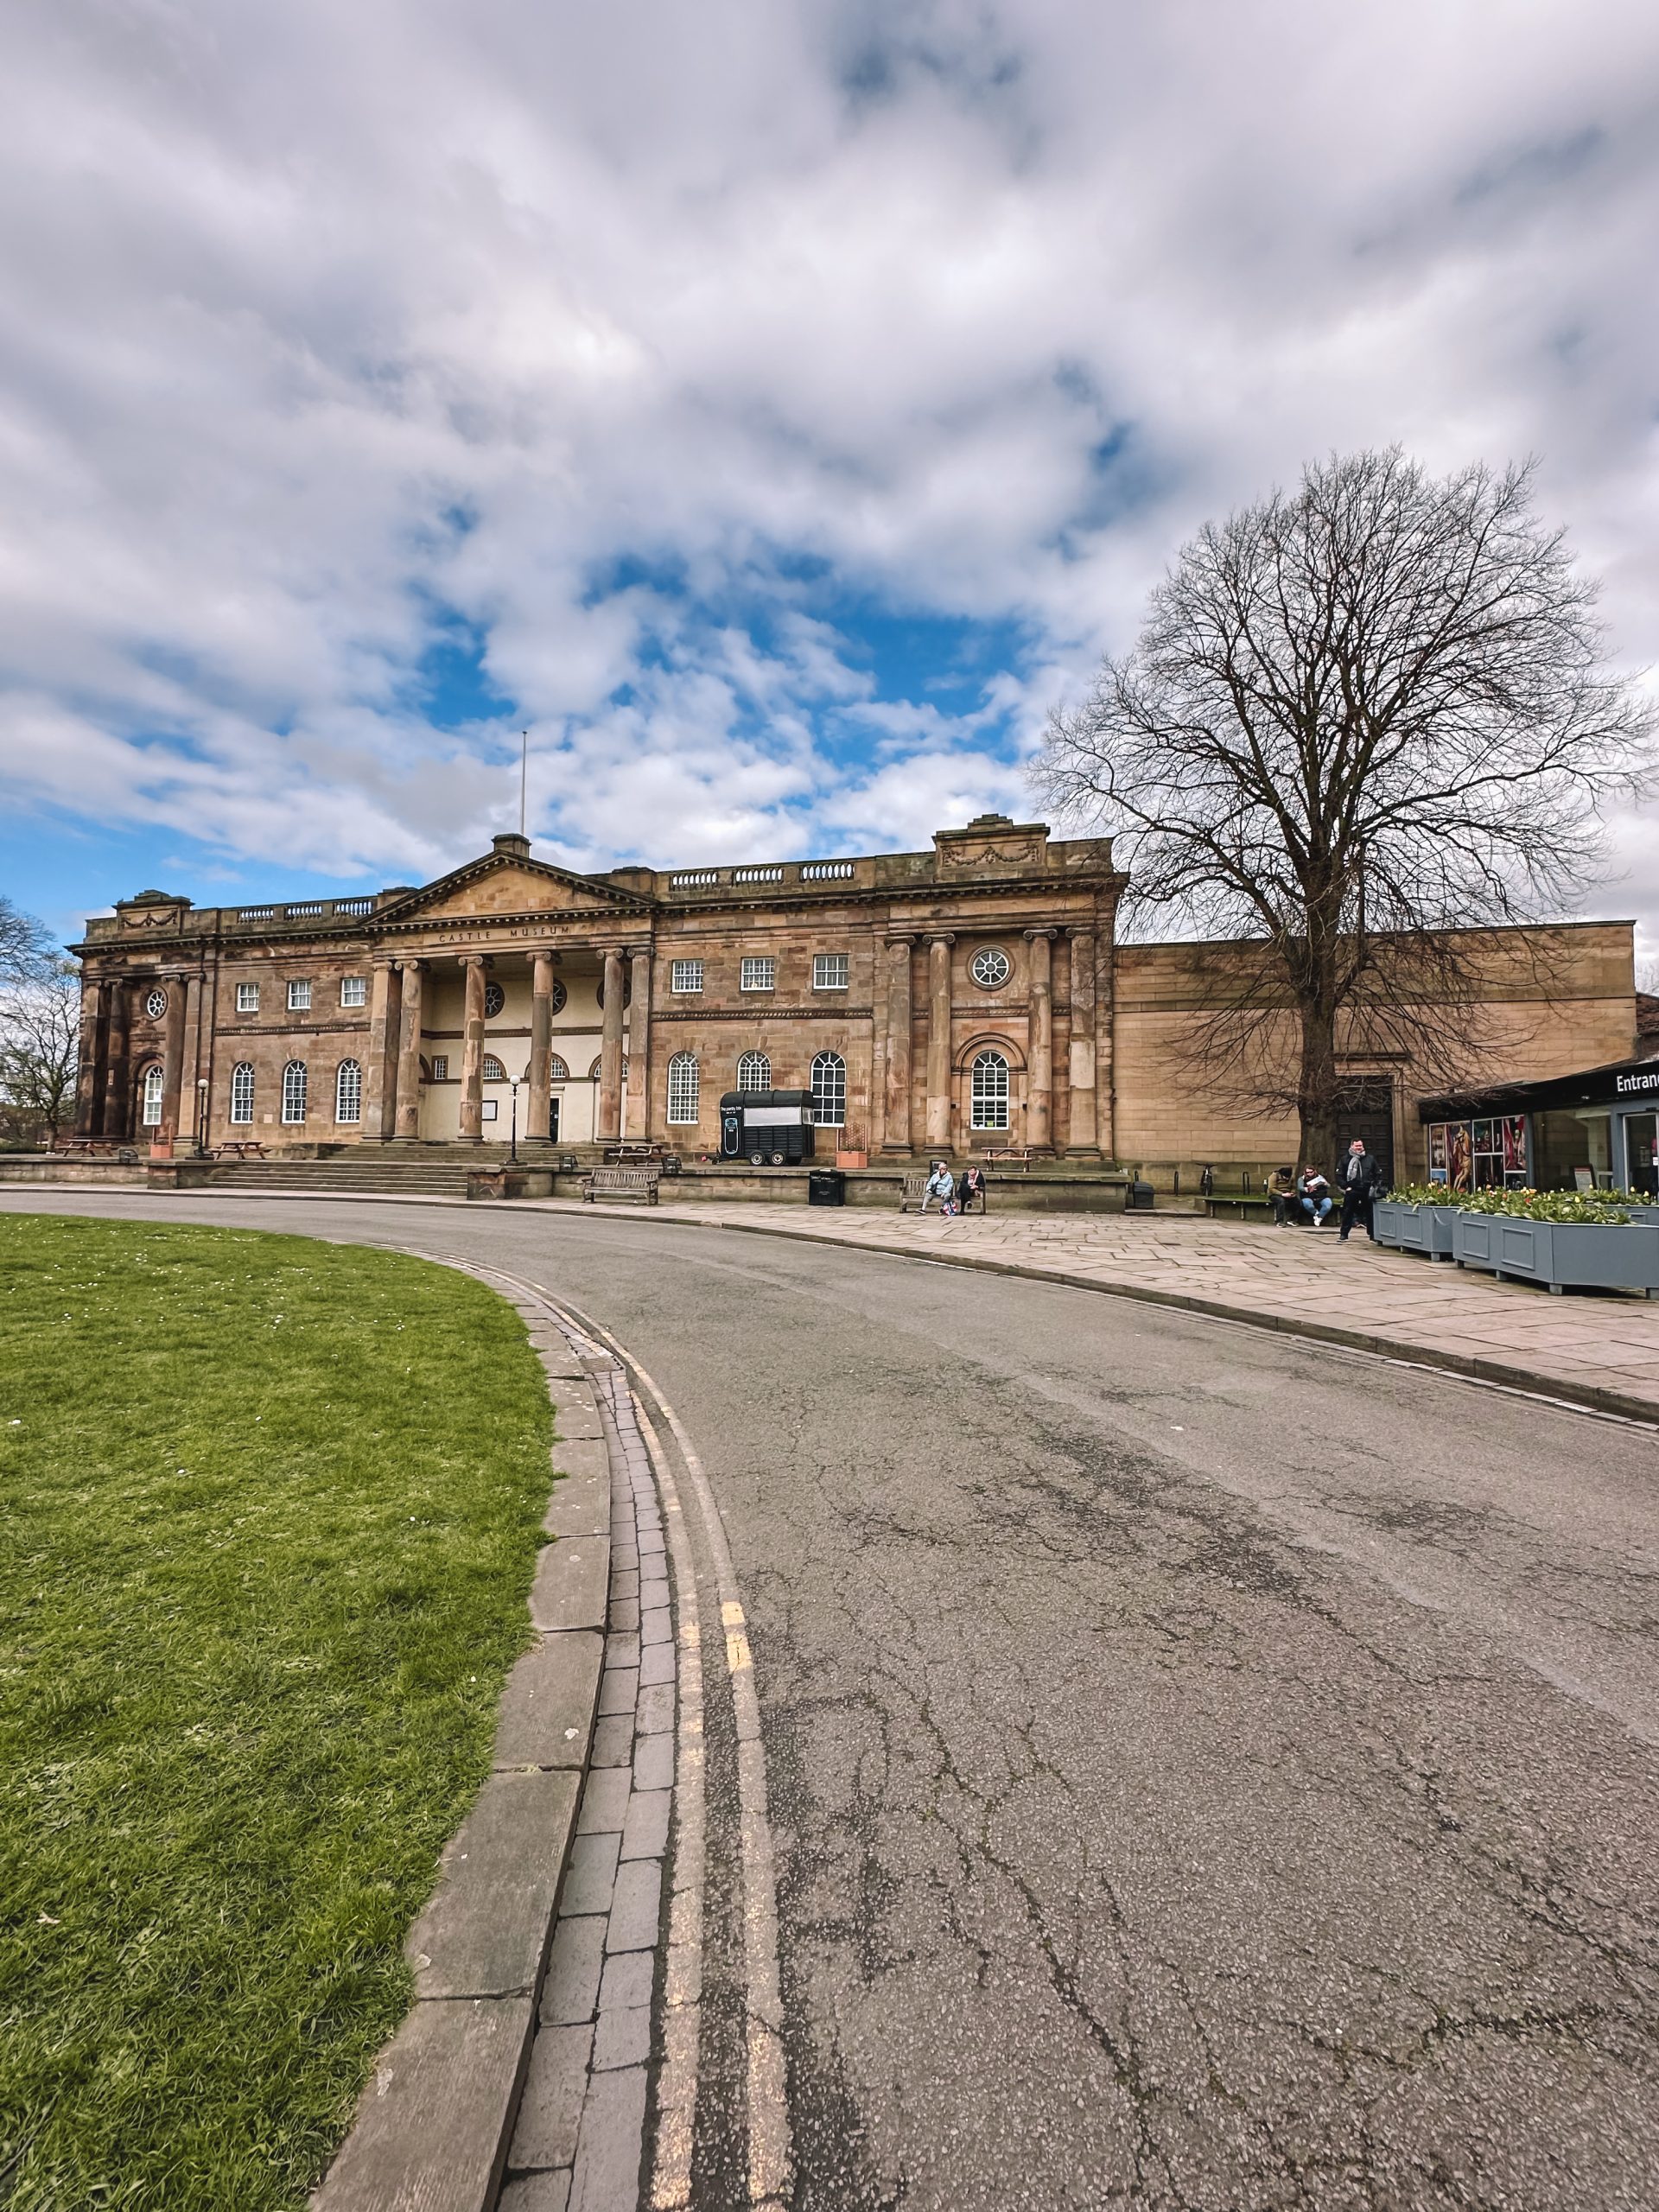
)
(1314, 1193)
(1281, 1195)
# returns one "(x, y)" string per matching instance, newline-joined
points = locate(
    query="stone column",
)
(639, 1086)
(1083, 1135)
(472, 1051)
(381, 1062)
(118, 1065)
(610, 1053)
(1039, 1083)
(898, 1018)
(538, 1105)
(938, 1042)
(178, 1107)
(408, 1090)
(89, 1088)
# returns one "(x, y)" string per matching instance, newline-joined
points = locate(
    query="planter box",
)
(1591, 1255)
(1427, 1230)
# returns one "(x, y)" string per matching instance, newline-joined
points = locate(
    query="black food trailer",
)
(769, 1129)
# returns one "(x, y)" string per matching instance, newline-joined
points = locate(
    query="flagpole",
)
(524, 776)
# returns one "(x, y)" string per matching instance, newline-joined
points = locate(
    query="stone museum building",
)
(971, 997)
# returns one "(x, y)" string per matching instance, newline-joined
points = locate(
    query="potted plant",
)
(1417, 1217)
(1557, 1238)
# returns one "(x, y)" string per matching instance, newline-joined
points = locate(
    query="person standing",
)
(1359, 1181)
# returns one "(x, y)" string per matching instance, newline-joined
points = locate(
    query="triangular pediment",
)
(511, 884)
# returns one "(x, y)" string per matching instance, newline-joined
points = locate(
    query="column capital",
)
(409, 967)
(941, 937)
(473, 959)
(897, 937)
(1031, 936)
(639, 952)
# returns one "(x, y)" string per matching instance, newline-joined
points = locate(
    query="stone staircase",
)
(414, 1171)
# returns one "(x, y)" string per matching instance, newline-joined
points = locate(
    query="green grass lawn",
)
(269, 1512)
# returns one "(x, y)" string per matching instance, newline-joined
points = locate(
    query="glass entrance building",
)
(1595, 1131)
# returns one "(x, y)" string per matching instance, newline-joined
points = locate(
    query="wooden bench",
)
(1237, 1202)
(620, 1183)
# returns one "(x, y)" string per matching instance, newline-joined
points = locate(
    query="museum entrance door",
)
(1365, 1111)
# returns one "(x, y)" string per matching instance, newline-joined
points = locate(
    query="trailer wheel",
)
(777, 1158)
(757, 1159)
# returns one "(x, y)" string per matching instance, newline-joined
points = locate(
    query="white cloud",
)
(325, 325)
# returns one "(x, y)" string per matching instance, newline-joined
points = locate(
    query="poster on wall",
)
(1458, 1155)
(1437, 1152)
(1514, 1145)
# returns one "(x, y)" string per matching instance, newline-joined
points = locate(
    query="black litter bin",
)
(826, 1186)
(1137, 1199)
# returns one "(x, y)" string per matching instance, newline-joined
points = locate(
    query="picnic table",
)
(239, 1148)
(96, 1148)
(1006, 1155)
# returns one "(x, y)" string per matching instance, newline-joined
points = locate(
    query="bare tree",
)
(40, 1038)
(25, 947)
(1361, 718)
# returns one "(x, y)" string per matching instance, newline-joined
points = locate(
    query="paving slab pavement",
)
(1597, 1348)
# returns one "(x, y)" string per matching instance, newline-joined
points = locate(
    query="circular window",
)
(156, 1003)
(494, 999)
(991, 968)
(556, 996)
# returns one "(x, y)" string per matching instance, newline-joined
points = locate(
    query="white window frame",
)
(348, 1092)
(297, 1084)
(832, 971)
(684, 1086)
(440, 1067)
(242, 1094)
(493, 1060)
(990, 952)
(155, 1002)
(299, 995)
(353, 990)
(832, 1092)
(759, 972)
(247, 998)
(983, 1097)
(748, 1065)
(154, 1096)
(557, 1070)
(685, 976)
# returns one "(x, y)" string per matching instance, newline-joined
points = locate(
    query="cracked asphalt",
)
(1206, 1771)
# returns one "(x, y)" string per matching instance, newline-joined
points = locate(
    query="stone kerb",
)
(432, 2128)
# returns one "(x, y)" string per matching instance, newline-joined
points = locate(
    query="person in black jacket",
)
(971, 1186)
(1360, 1176)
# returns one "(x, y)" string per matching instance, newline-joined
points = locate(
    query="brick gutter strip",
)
(433, 2126)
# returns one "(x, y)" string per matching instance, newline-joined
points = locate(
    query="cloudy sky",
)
(773, 407)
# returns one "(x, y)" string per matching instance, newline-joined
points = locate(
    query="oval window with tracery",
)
(991, 968)
(156, 1003)
(494, 999)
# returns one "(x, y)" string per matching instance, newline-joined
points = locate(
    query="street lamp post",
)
(512, 1149)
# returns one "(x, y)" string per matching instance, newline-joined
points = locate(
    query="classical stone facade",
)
(969, 997)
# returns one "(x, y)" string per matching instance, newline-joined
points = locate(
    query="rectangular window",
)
(440, 1067)
(759, 972)
(353, 990)
(829, 971)
(299, 998)
(686, 975)
(247, 998)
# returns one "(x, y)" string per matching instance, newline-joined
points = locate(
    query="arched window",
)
(988, 1103)
(493, 1071)
(829, 1091)
(153, 1081)
(294, 1092)
(242, 1091)
(753, 1072)
(593, 1071)
(348, 1092)
(556, 1070)
(683, 1087)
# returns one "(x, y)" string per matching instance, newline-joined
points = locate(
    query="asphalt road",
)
(1204, 1770)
